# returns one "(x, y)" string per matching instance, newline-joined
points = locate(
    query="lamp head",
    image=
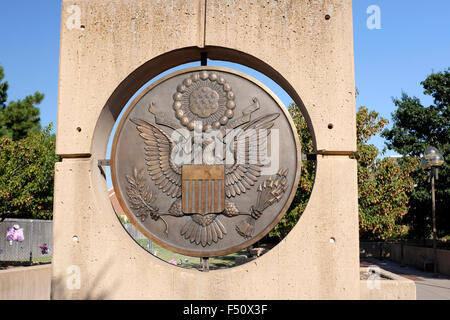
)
(432, 158)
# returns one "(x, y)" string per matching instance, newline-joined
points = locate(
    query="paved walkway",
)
(427, 287)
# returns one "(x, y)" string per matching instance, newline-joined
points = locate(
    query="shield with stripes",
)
(203, 190)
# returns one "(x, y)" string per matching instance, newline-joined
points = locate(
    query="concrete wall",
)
(416, 256)
(25, 283)
(122, 46)
(412, 255)
(33, 283)
(392, 287)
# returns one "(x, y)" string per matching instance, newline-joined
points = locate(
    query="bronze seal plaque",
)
(205, 161)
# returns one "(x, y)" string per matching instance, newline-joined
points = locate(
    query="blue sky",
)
(414, 41)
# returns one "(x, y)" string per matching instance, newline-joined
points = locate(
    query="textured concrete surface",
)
(117, 37)
(387, 286)
(310, 56)
(427, 287)
(305, 265)
(25, 283)
(313, 54)
(117, 52)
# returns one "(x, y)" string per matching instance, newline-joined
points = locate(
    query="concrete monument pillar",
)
(110, 49)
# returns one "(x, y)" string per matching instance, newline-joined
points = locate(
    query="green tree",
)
(415, 127)
(383, 184)
(18, 118)
(26, 175)
(27, 158)
(305, 185)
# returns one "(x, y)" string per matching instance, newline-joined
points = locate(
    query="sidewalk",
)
(427, 287)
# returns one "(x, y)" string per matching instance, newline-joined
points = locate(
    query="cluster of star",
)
(204, 98)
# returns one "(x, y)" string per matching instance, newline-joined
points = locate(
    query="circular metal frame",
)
(265, 230)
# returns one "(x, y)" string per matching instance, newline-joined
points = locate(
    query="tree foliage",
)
(383, 184)
(26, 175)
(20, 117)
(305, 186)
(27, 158)
(415, 127)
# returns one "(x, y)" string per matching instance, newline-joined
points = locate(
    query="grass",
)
(25, 263)
(193, 262)
(44, 259)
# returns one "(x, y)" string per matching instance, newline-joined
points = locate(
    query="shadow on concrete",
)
(60, 290)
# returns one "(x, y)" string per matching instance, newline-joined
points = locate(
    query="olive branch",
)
(141, 198)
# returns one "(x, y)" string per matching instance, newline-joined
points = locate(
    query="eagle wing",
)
(158, 149)
(240, 177)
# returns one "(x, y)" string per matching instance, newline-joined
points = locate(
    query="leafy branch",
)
(141, 198)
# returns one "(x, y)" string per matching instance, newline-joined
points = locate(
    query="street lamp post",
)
(433, 159)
